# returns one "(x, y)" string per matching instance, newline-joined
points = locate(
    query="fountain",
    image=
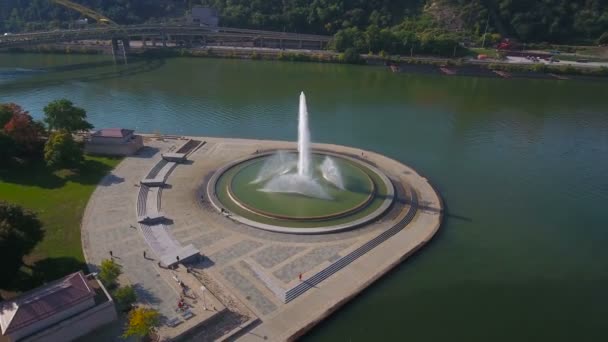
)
(302, 189)
(303, 139)
(277, 169)
(331, 173)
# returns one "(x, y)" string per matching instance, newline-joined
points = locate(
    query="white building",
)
(203, 16)
(62, 310)
(114, 141)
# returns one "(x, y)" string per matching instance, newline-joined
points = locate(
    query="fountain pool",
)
(302, 188)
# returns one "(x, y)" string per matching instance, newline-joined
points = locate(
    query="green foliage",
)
(20, 231)
(63, 115)
(109, 272)
(142, 322)
(7, 149)
(374, 22)
(540, 68)
(603, 40)
(18, 15)
(125, 296)
(61, 151)
(350, 56)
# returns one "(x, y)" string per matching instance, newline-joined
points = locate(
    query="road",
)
(523, 60)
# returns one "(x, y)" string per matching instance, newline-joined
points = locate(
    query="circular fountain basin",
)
(367, 194)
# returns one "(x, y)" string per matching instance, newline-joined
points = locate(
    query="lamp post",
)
(203, 289)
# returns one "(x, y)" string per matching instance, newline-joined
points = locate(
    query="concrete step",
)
(311, 282)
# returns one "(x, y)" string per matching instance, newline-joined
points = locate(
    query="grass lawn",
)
(490, 52)
(59, 198)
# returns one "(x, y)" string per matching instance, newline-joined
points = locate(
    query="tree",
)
(22, 128)
(603, 40)
(109, 272)
(125, 296)
(7, 148)
(61, 151)
(142, 322)
(350, 56)
(63, 115)
(20, 231)
(6, 112)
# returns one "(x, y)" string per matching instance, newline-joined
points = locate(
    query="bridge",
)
(183, 35)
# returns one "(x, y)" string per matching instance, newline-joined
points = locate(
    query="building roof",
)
(44, 302)
(113, 133)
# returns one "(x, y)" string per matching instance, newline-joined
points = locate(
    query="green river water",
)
(521, 164)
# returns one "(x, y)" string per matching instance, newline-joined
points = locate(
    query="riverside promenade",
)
(259, 285)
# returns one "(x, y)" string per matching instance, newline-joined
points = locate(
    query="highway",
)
(160, 32)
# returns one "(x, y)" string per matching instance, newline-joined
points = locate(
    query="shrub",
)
(351, 56)
(125, 296)
(109, 272)
(61, 151)
(142, 322)
(539, 68)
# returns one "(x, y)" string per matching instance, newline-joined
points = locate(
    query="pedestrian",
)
(177, 258)
(300, 276)
(145, 255)
(159, 265)
(111, 255)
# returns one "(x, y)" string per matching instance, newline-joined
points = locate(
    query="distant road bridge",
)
(182, 35)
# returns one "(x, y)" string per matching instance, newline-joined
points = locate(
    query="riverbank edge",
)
(417, 65)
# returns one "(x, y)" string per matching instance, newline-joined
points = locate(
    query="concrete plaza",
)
(249, 273)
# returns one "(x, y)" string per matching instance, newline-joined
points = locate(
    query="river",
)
(522, 165)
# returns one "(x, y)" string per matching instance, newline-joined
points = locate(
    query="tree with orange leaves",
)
(21, 127)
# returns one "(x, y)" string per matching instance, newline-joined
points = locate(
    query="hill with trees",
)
(366, 25)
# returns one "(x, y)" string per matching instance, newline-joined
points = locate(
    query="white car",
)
(7, 33)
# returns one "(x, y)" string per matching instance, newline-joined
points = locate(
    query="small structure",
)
(152, 182)
(62, 310)
(174, 157)
(203, 16)
(114, 141)
(151, 219)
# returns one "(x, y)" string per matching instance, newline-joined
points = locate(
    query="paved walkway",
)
(247, 269)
